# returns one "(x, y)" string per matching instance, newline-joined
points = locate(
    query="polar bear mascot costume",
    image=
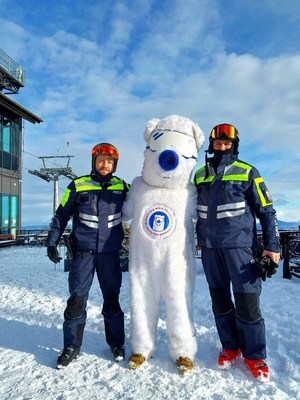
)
(162, 204)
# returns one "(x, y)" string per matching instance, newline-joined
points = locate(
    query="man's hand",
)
(266, 267)
(275, 257)
(53, 254)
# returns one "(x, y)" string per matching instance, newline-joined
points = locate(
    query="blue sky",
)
(99, 70)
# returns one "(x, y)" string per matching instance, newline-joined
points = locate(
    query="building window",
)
(4, 213)
(9, 212)
(6, 137)
(14, 211)
(9, 145)
(14, 142)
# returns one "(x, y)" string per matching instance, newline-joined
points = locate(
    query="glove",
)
(53, 254)
(266, 267)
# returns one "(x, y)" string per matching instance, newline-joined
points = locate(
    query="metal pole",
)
(49, 174)
(55, 193)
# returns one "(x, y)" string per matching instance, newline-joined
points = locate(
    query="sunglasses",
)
(105, 150)
(164, 139)
(224, 129)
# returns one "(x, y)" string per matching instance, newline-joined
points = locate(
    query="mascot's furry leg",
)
(145, 300)
(147, 287)
(178, 297)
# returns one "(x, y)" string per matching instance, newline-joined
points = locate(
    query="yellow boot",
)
(135, 361)
(184, 364)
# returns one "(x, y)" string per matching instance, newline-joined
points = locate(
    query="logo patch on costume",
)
(159, 222)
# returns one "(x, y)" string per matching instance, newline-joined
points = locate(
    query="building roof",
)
(17, 109)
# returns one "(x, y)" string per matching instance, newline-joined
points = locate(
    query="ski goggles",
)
(166, 139)
(222, 130)
(105, 149)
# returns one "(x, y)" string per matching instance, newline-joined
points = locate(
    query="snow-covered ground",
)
(32, 299)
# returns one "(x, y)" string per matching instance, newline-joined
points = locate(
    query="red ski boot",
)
(227, 358)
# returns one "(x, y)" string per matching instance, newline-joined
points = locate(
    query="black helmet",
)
(105, 149)
(224, 132)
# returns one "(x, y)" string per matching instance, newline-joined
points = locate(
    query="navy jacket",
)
(95, 209)
(229, 202)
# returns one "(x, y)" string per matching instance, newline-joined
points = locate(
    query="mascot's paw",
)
(184, 364)
(135, 361)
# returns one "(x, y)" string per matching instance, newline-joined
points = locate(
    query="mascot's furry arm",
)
(128, 205)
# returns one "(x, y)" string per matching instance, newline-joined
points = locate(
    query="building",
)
(12, 114)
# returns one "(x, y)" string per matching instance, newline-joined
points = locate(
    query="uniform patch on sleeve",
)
(266, 193)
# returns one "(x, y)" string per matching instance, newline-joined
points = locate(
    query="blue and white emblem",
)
(159, 222)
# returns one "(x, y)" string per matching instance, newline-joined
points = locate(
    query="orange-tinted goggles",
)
(224, 129)
(105, 150)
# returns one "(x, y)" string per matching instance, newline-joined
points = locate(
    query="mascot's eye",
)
(157, 135)
(184, 144)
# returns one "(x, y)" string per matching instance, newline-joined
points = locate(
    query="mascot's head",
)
(171, 152)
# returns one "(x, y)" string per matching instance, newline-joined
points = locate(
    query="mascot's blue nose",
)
(168, 160)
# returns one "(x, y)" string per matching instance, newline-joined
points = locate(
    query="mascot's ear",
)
(150, 128)
(198, 135)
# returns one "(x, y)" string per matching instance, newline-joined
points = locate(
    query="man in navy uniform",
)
(94, 203)
(231, 195)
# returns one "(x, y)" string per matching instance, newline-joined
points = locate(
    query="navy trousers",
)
(238, 318)
(109, 274)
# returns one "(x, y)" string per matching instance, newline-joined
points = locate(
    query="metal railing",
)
(14, 69)
(291, 261)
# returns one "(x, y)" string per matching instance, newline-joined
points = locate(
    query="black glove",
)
(266, 267)
(53, 254)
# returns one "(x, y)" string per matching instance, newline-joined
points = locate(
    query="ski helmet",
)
(224, 132)
(105, 149)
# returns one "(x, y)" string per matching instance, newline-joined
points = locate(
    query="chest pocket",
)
(203, 193)
(87, 203)
(84, 198)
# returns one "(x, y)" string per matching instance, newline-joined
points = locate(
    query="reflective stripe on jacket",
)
(96, 214)
(229, 202)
